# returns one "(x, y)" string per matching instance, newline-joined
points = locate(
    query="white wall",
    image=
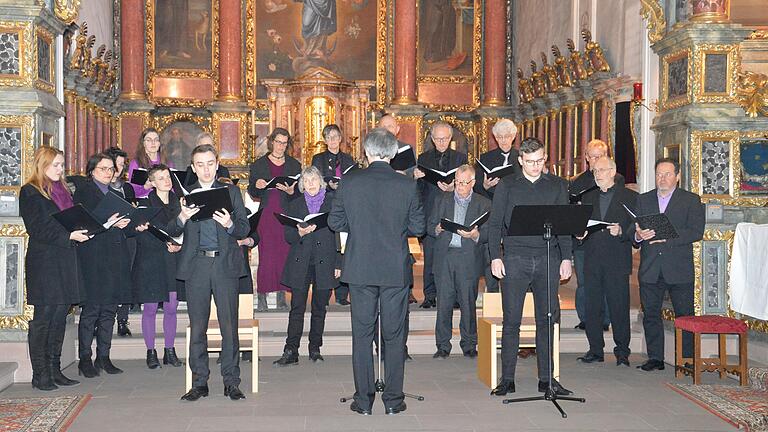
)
(98, 15)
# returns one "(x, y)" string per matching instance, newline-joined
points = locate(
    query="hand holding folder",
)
(288, 181)
(434, 176)
(498, 172)
(404, 159)
(320, 220)
(78, 218)
(337, 179)
(658, 222)
(208, 201)
(451, 226)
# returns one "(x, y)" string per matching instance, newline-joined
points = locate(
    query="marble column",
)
(70, 131)
(604, 125)
(569, 139)
(495, 53)
(554, 129)
(105, 131)
(82, 136)
(586, 127)
(230, 50)
(132, 49)
(405, 52)
(91, 144)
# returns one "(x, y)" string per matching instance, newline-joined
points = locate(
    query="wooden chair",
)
(489, 329)
(712, 324)
(248, 334)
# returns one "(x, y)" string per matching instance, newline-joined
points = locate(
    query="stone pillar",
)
(91, 145)
(405, 52)
(106, 134)
(586, 126)
(569, 138)
(495, 53)
(132, 49)
(70, 132)
(98, 122)
(230, 49)
(605, 129)
(553, 141)
(82, 136)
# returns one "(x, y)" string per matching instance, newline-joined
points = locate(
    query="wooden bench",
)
(711, 324)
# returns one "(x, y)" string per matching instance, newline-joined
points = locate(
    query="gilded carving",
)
(381, 52)
(162, 122)
(145, 122)
(539, 83)
(679, 80)
(594, 53)
(242, 119)
(418, 121)
(87, 63)
(66, 10)
(752, 93)
(576, 61)
(758, 34)
(15, 322)
(549, 74)
(26, 123)
(653, 12)
(524, 90)
(562, 68)
(731, 63)
(76, 61)
(27, 55)
(45, 85)
(250, 52)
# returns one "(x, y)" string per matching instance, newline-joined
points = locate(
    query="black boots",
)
(122, 329)
(85, 368)
(59, 377)
(106, 364)
(281, 303)
(152, 361)
(289, 358)
(170, 357)
(40, 359)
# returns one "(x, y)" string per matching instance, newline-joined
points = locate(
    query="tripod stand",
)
(571, 219)
(379, 384)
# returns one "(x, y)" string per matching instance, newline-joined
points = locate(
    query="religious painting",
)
(260, 130)
(676, 85)
(714, 265)
(754, 166)
(178, 140)
(716, 73)
(11, 276)
(446, 37)
(294, 36)
(678, 78)
(183, 34)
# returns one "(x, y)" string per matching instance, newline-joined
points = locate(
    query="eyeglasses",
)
(531, 162)
(464, 183)
(105, 169)
(665, 175)
(441, 139)
(601, 170)
(280, 142)
(504, 137)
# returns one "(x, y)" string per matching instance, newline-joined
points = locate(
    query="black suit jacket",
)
(380, 209)
(429, 192)
(672, 259)
(260, 170)
(472, 252)
(317, 247)
(322, 161)
(601, 246)
(493, 159)
(229, 251)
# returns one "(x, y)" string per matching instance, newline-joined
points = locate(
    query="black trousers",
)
(457, 284)
(491, 283)
(652, 297)
(96, 315)
(209, 279)
(296, 316)
(46, 336)
(365, 311)
(122, 312)
(604, 285)
(342, 291)
(523, 272)
(428, 246)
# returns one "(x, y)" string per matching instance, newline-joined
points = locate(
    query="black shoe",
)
(315, 356)
(396, 409)
(44, 382)
(343, 302)
(622, 360)
(441, 354)
(170, 357)
(606, 327)
(289, 358)
(471, 353)
(85, 368)
(428, 303)
(559, 389)
(503, 388)
(456, 305)
(233, 392)
(247, 356)
(195, 393)
(580, 326)
(591, 358)
(652, 365)
(106, 364)
(123, 330)
(152, 360)
(60, 379)
(356, 408)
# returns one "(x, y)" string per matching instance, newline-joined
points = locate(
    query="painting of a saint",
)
(754, 167)
(318, 22)
(183, 36)
(445, 37)
(178, 139)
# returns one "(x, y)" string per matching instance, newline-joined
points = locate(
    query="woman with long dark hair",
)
(150, 152)
(51, 267)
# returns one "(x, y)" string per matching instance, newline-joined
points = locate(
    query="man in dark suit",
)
(504, 132)
(443, 158)
(608, 262)
(667, 264)
(458, 261)
(524, 263)
(379, 208)
(211, 262)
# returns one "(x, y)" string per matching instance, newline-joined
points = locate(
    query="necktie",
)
(506, 158)
(442, 161)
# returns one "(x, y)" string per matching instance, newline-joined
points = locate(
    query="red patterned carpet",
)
(40, 414)
(741, 406)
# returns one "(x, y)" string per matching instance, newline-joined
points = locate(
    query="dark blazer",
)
(245, 283)
(51, 267)
(260, 170)
(672, 259)
(229, 251)
(601, 246)
(472, 252)
(154, 268)
(379, 208)
(429, 192)
(493, 159)
(105, 260)
(322, 161)
(317, 247)
(126, 191)
(191, 177)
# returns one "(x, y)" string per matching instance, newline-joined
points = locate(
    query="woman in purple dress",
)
(149, 153)
(273, 249)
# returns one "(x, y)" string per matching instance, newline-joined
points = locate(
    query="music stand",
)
(549, 220)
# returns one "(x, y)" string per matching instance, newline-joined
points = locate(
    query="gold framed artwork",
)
(676, 90)
(178, 133)
(45, 65)
(15, 313)
(16, 141)
(672, 151)
(17, 64)
(230, 136)
(715, 73)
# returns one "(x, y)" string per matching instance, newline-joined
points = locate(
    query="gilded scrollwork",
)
(66, 10)
(562, 68)
(381, 52)
(250, 52)
(418, 122)
(593, 53)
(46, 37)
(578, 69)
(549, 73)
(145, 122)
(21, 321)
(26, 53)
(524, 89)
(669, 101)
(752, 93)
(26, 123)
(162, 122)
(732, 61)
(653, 12)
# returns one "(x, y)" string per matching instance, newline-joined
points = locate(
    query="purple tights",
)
(169, 321)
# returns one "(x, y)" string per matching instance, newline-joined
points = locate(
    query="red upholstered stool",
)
(713, 324)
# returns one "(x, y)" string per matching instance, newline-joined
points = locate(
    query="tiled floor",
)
(306, 398)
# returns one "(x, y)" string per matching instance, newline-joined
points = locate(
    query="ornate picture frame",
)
(673, 151)
(713, 295)
(20, 69)
(14, 311)
(45, 66)
(714, 157)
(225, 126)
(715, 73)
(16, 138)
(676, 79)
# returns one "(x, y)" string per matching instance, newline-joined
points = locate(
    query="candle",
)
(637, 94)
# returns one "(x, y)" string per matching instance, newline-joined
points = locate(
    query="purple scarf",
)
(314, 202)
(61, 196)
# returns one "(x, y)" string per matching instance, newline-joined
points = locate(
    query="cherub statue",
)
(594, 53)
(76, 61)
(549, 72)
(562, 68)
(85, 68)
(93, 72)
(524, 89)
(579, 71)
(539, 83)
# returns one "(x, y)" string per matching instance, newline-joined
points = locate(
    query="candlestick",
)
(637, 89)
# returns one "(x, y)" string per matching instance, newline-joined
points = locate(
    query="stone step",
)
(7, 372)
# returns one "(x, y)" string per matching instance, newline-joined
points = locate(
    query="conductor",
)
(379, 208)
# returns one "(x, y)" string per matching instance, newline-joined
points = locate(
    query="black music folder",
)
(253, 220)
(452, 226)
(498, 172)
(164, 236)
(575, 198)
(209, 201)
(336, 179)
(78, 218)
(594, 225)
(318, 219)
(112, 203)
(658, 222)
(139, 176)
(404, 159)
(179, 179)
(141, 215)
(288, 181)
(434, 176)
(564, 219)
